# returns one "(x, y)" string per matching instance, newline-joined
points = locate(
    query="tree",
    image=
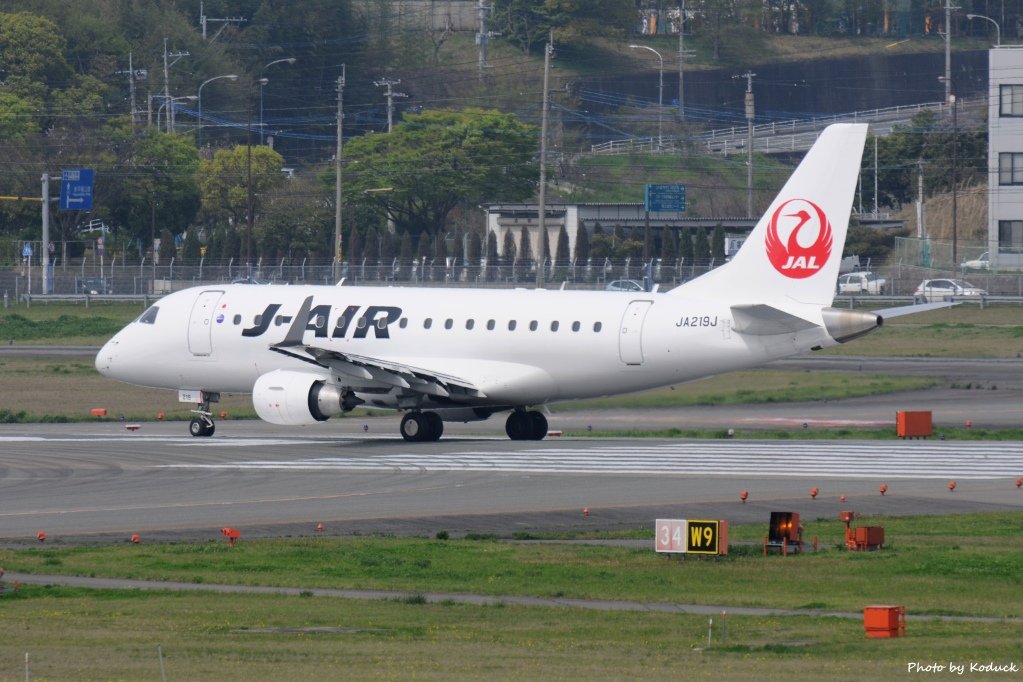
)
(154, 183)
(438, 160)
(561, 255)
(701, 247)
(168, 249)
(582, 245)
(234, 177)
(191, 248)
(717, 244)
(669, 247)
(527, 23)
(686, 250)
(525, 245)
(508, 250)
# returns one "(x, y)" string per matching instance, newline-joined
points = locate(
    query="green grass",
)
(767, 386)
(960, 564)
(949, 565)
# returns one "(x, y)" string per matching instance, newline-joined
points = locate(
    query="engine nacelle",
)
(295, 398)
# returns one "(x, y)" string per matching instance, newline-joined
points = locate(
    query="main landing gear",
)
(523, 425)
(422, 426)
(202, 426)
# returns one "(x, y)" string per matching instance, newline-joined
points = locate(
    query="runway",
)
(95, 481)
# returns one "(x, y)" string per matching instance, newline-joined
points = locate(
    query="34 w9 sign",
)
(682, 536)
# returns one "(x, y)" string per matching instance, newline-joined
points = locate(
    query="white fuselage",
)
(518, 347)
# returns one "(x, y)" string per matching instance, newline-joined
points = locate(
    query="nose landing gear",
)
(202, 426)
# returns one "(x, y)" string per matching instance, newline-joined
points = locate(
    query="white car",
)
(861, 283)
(981, 263)
(934, 290)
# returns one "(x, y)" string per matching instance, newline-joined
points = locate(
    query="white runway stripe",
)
(901, 459)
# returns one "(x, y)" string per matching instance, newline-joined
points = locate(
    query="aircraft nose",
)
(106, 357)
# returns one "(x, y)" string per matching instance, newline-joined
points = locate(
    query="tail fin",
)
(791, 258)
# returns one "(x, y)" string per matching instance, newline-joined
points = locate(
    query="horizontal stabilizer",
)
(764, 320)
(916, 308)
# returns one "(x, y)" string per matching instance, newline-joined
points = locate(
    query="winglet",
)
(298, 326)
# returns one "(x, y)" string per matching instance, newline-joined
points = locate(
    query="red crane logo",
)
(793, 256)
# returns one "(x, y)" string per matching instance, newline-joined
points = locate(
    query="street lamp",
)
(230, 76)
(660, 89)
(170, 101)
(263, 81)
(998, 29)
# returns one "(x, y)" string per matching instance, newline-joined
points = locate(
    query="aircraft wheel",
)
(435, 424)
(537, 425)
(519, 425)
(197, 427)
(414, 426)
(210, 428)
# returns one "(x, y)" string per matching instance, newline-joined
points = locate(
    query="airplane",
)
(310, 353)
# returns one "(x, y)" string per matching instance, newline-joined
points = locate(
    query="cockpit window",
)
(149, 317)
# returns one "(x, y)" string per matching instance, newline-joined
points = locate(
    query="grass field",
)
(961, 565)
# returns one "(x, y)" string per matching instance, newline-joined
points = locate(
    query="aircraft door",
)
(630, 336)
(200, 323)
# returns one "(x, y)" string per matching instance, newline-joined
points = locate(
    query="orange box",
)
(869, 536)
(98, 412)
(884, 621)
(913, 424)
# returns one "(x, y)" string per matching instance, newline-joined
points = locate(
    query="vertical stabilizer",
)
(791, 258)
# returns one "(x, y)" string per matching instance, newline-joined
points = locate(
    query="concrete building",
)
(1005, 157)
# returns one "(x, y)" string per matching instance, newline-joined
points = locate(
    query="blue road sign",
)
(76, 189)
(665, 198)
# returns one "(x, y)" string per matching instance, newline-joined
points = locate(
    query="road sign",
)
(26, 250)
(702, 537)
(671, 536)
(76, 189)
(665, 198)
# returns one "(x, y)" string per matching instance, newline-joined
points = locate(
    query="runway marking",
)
(842, 459)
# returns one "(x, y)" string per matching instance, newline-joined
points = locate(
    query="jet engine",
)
(846, 325)
(295, 398)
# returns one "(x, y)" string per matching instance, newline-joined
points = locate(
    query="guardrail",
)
(143, 299)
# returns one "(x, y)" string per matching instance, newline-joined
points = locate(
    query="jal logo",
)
(799, 239)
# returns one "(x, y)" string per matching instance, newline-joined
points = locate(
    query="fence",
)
(155, 280)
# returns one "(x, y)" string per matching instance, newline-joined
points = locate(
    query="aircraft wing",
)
(362, 370)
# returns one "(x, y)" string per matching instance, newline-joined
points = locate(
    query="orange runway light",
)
(883, 488)
(41, 536)
(743, 495)
(135, 538)
(951, 486)
(813, 493)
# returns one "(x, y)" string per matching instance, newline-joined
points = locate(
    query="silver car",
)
(934, 290)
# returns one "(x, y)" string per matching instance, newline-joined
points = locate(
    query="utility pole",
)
(132, 77)
(390, 94)
(542, 208)
(955, 181)
(749, 140)
(948, 49)
(482, 37)
(337, 173)
(203, 20)
(166, 82)
(681, 57)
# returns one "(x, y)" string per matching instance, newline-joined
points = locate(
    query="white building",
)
(1005, 157)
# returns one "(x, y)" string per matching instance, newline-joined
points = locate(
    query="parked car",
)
(981, 263)
(932, 290)
(94, 286)
(861, 283)
(625, 285)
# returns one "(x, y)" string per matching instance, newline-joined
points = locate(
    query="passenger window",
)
(511, 325)
(149, 317)
(403, 322)
(257, 320)
(382, 323)
(532, 326)
(361, 324)
(575, 326)
(490, 325)
(597, 326)
(427, 323)
(321, 321)
(279, 320)
(448, 323)
(469, 324)
(237, 319)
(554, 326)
